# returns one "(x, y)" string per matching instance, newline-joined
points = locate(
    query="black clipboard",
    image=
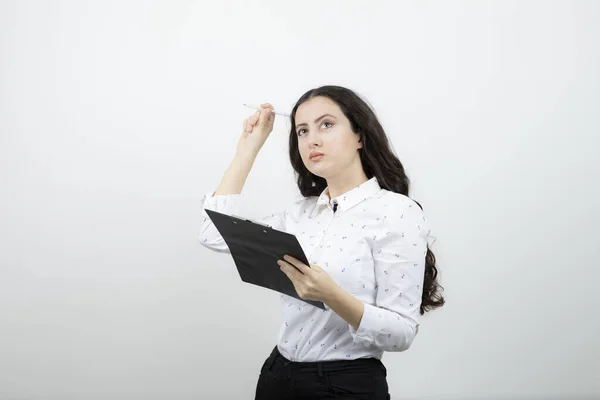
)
(255, 248)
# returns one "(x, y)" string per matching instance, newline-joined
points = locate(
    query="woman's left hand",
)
(311, 283)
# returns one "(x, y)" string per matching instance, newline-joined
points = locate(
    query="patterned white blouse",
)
(373, 246)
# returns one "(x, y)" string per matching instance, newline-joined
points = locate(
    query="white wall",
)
(117, 116)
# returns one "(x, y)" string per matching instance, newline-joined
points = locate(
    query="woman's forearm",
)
(235, 177)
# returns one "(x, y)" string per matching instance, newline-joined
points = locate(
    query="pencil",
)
(274, 112)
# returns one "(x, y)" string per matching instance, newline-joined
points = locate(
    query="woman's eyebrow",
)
(316, 120)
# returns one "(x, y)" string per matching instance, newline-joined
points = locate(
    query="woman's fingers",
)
(263, 118)
(267, 114)
(254, 119)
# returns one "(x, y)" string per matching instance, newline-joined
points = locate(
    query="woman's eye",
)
(325, 124)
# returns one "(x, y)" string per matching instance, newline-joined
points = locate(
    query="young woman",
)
(366, 241)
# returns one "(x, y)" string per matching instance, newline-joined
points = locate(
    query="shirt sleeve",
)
(399, 253)
(229, 204)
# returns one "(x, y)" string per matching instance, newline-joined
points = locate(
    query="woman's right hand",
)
(257, 129)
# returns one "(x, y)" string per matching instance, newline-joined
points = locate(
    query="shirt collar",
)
(351, 198)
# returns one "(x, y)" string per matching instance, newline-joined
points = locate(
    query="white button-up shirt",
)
(373, 246)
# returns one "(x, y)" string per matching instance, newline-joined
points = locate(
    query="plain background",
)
(116, 117)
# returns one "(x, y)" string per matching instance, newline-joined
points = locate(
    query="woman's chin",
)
(320, 172)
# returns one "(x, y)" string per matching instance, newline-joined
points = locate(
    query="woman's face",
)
(322, 127)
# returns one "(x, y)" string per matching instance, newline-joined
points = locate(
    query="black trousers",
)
(281, 379)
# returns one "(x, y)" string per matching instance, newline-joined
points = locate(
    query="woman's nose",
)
(313, 141)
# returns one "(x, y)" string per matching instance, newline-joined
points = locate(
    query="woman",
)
(366, 241)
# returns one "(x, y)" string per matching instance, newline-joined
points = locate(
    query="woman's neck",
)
(339, 186)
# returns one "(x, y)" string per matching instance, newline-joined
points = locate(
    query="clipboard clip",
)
(252, 221)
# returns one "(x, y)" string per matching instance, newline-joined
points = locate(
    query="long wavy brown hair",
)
(377, 160)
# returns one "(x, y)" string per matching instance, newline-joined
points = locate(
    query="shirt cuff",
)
(225, 204)
(372, 317)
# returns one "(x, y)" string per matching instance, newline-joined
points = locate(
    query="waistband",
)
(325, 366)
